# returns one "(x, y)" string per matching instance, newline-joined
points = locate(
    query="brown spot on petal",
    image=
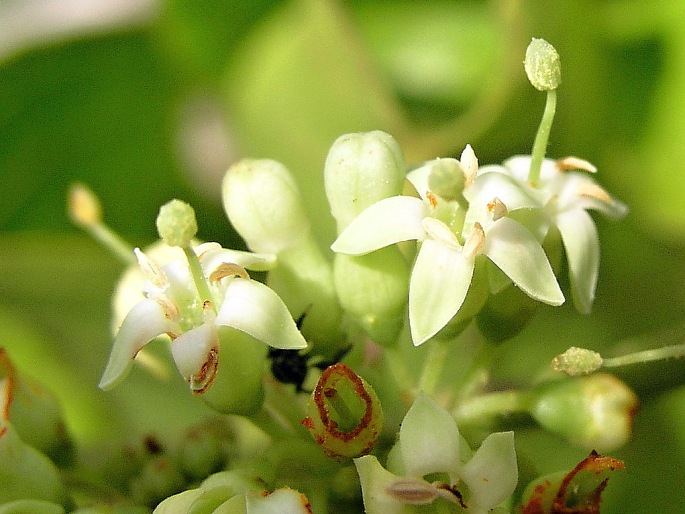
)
(205, 378)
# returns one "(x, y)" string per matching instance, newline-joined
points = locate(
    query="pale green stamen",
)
(85, 211)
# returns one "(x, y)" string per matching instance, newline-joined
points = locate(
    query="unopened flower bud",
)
(158, 479)
(264, 205)
(34, 411)
(176, 223)
(593, 412)
(200, 453)
(361, 169)
(27, 473)
(542, 65)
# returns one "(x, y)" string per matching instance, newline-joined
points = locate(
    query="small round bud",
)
(594, 411)
(263, 203)
(361, 169)
(542, 65)
(84, 206)
(577, 361)
(176, 223)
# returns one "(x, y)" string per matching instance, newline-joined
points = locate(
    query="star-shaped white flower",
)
(446, 260)
(567, 192)
(173, 307)
(429, 444)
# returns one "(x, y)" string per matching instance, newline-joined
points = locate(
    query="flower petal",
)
(386, 222)
(214, 258)
(377, 488)
(429, 440)
(195, 352)
(253, 308)
(283, 500)
(514, 194)
(516, 252)
(579, 235)
(492, 473)
(439, 282)
(143, 323)
(419, 179)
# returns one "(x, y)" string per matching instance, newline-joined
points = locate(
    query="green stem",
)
(542, 138)
(433, 365)
(198, 276)
(111, 240)
(477, 409)
(656, 354)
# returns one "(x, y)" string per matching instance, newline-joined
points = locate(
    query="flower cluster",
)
(464, 212)
(419, 254)
(201, 300)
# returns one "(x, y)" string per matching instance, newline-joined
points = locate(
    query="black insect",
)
(292, 366)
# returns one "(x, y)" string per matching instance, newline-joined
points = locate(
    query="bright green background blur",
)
(150, 101)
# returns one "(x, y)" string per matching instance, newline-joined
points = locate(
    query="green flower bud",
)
(200, 453)
(176, 223)
(158, 479)
(594, 412)
(344, 414)
(26, 473)
(237, 387)
(505, 314)
(543, 65)
(35, 413)
(373, 289)
(264, 205)
(361, 169)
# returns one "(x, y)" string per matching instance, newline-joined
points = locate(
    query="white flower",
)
(429, 445)
(173, 307)
(451, 241)
(566, 192)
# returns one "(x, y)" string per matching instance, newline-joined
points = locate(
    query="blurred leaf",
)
(202, 35)
(96, 111)
(436, 59)
(295, 87)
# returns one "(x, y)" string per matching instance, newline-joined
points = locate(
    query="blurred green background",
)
(149, 100)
